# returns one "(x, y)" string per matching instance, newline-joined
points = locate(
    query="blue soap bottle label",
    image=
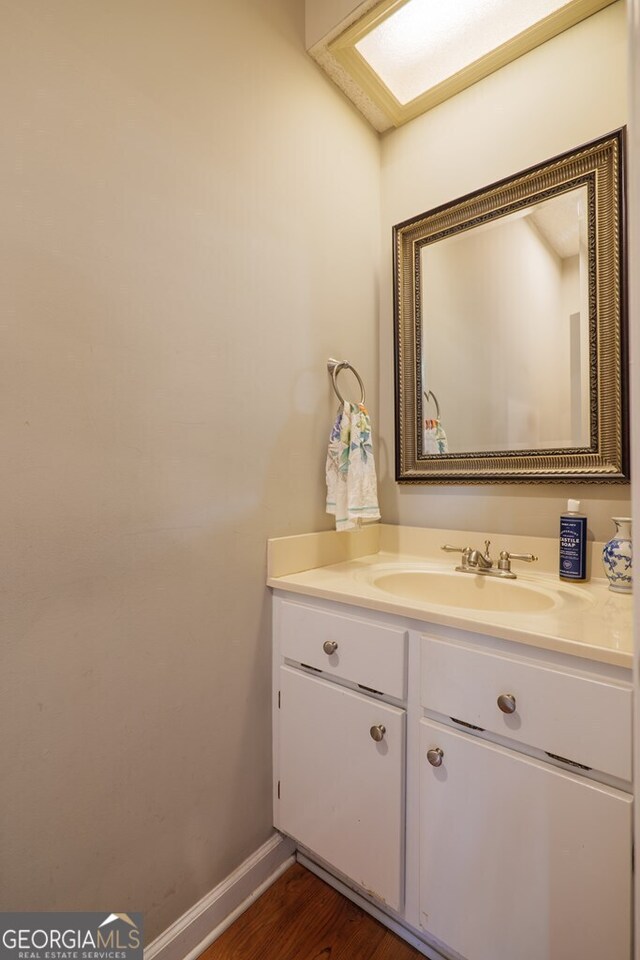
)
(573, 548)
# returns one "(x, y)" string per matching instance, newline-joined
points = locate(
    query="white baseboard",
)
(196, 929)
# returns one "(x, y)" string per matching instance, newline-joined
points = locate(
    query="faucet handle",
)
(487, 544)
(465, 551)
(504, 563)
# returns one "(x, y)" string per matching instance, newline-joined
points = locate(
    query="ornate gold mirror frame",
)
(604, 459)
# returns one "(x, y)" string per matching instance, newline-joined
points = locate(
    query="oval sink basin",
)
(475, 592)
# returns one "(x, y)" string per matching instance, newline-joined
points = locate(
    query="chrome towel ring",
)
(334, 367)
(430, 393)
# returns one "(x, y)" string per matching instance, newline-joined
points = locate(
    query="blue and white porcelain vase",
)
(617, 557)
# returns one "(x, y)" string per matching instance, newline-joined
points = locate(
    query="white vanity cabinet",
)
(476, 790)
(341, 791)
(341, 744)
(519, 858)
(537, 857)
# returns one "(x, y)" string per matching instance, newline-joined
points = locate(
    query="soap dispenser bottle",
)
(573, 543)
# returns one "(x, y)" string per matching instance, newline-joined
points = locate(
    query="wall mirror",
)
(510, 328)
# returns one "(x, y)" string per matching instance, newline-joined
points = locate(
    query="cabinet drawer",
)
(583, 719)
(370, 654)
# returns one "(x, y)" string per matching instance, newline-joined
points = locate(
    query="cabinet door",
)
(519, 859)
(341, 792)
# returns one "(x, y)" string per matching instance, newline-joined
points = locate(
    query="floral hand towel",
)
(435, 439)
(352, 490)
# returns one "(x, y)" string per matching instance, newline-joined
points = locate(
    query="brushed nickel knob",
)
(434, 756)
(329, 647)
(507, 702)
(377, 732)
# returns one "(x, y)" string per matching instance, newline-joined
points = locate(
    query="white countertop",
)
(597, 626)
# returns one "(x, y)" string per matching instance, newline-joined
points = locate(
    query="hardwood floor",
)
(302, 918)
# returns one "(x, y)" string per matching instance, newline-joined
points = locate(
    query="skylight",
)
(425, 42)
(407, 56)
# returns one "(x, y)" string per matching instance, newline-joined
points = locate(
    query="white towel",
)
(352, 490)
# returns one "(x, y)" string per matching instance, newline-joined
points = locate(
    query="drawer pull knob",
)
(377, 732)
(434, 756)
(329, 647)
(507, 702)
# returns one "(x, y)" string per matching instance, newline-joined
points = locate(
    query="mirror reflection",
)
(505, 353)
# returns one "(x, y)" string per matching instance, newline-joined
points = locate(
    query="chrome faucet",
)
(473, 561)
(480, 560)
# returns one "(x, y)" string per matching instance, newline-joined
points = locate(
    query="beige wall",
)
(564, 93)
(321, 16)
(190, 228)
